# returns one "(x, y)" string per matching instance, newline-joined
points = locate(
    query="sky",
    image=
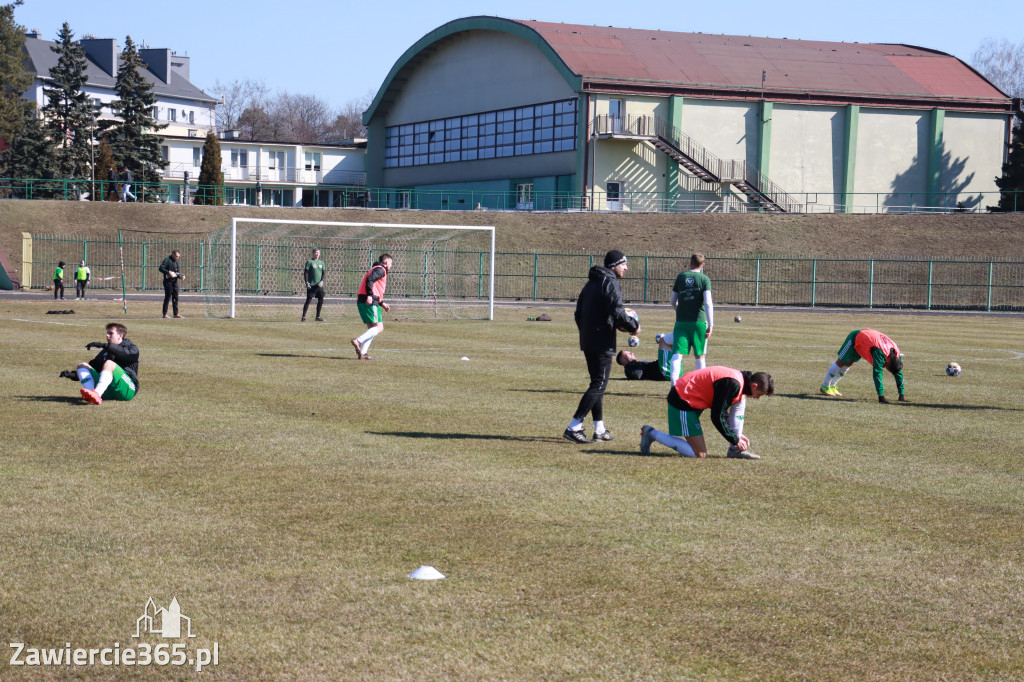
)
(343, 51)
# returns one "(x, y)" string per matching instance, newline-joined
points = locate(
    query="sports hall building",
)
(499, 113)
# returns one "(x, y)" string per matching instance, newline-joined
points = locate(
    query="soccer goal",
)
(254, 268)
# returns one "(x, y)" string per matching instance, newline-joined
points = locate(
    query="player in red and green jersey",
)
(875, 347)
(695, 317)
(724, 391)
(370, 301)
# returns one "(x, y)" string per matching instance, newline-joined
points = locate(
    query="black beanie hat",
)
(613, 258)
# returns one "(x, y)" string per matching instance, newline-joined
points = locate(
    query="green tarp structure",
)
(5, 266)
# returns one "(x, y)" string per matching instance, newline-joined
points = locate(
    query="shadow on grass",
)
(468, 436)
(77, 400)
(296, 355)
(577, 392)
(909, 403)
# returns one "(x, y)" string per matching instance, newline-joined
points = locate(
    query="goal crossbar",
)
(234, 247)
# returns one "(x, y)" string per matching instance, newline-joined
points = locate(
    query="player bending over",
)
(370, 301)
(871, 345)
(722, 390)
(650, 371)
(114, 373)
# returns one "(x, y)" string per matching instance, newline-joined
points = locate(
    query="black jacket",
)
(599, 311)
(125, 355)
(168, 266)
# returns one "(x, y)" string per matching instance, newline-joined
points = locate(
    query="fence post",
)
(757, 282)
(871, 284)
(480, 279)
(988, 301)
(930, 265)
(814, 279)
(202, 266)
(426, 264)
(144, 247)
(259, 265)
(535, 258)
(646, 264)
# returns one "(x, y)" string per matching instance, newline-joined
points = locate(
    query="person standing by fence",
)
(82, 275)
(58, 281)
(172, 273)
(313, 274)
(691, 298)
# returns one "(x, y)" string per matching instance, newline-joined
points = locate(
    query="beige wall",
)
(807, 150)
(970, 167)
(892, 153)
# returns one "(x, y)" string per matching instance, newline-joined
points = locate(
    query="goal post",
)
(439, 270)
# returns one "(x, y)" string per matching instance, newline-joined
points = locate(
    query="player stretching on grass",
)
(695, 315)
(114, 373)
(370, 301)
(722, 390)
(649, 371)
(871, 345)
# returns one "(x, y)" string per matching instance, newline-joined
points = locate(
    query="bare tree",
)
(301, 118)
(348, 125)
(237, 98)
(1002, 62)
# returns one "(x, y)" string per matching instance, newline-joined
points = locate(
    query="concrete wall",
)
(807, 150)
(730, 130)
(892, 157)
(969, 166)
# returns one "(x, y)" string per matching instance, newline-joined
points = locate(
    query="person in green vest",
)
(313, 274)
(58, 282)
(82, 275)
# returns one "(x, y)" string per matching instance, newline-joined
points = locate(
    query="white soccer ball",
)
(737, 319)
(953, 369)
(634, 341)
(630, 313)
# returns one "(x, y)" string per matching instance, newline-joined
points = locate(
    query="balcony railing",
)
(290, 175)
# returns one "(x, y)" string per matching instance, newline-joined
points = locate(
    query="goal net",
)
(254, 268)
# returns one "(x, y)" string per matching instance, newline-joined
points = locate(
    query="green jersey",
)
(314, 272)
(689, 288)
(58, 273)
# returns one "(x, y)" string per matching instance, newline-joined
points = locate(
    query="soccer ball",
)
(630, 313)
(737, 319)
(634, 341)
(953, 369)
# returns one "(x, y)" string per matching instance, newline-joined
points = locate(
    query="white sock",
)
(106, 376)
(832, 373)
(576, 425)
(700, 363)
(677, 443)
(365, 336)
(365, 346)
(677, 367)
(840, 373)
(85, 377)
(736, 413)
(599, 427)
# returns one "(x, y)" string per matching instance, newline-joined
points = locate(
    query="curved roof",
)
(610, 59)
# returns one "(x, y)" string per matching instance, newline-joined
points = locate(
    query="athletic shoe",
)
(166, 316)
(303, 319)
(835, 392)
(365, 357)
(576, 436)
(320, 319)
(179, 317)
(826, 390)
(604, 435)
(69, 374)
(91, 396)
(646, 439)
(734, 453)
(359, 351)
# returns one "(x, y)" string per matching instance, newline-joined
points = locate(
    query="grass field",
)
(282, 491)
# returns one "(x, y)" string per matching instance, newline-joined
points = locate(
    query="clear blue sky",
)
(340, 50)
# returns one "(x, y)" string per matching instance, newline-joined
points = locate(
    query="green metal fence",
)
(929, 284)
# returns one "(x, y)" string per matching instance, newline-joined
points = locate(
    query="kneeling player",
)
(114, 373)
(650, 371)
(871, 345)
(722, 390)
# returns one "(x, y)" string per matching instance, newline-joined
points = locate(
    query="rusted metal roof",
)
(609, 58)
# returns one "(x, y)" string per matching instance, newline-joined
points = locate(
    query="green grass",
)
(282, 491)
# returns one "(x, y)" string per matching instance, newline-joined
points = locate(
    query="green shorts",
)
(370, 313)
(690, 335)
(847, 353)
(684, 422)
(121, 387)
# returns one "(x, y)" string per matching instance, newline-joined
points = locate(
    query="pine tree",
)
(211, 177)
(1012, 182)
(31, 157)
(15, 78)
(104, 162)
(131, 139)
(69, 112)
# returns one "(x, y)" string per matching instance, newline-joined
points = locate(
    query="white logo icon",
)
(164, 622)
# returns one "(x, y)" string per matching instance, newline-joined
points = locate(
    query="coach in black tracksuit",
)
(599, 311)
(172, 273)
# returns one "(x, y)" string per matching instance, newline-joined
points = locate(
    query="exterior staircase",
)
(697, 160)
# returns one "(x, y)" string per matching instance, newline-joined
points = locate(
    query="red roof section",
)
(670, 59)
